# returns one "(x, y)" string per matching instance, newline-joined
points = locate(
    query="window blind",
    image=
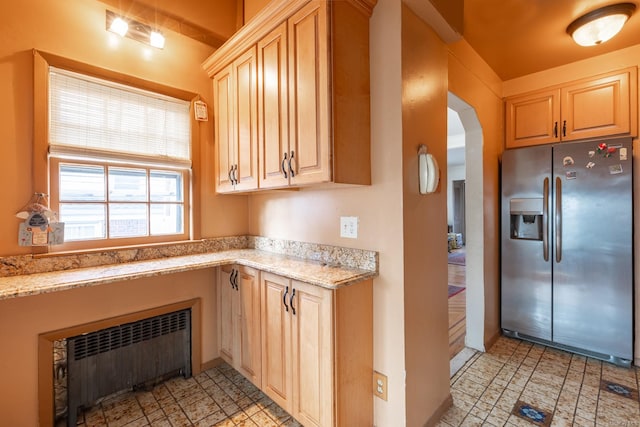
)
(95, 118)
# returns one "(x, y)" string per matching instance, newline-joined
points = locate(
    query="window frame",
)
(44, 164)
(55, 163)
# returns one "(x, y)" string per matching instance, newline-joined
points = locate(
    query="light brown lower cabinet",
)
(239, 320)
(307, 347)
(317, 350)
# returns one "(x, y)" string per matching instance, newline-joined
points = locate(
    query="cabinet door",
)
(246, 121)
(223, 122)
(227, 307)
(248, 360)
(533, 119)
(313, 376)
(276, 343)
(309, 111)
(599, 107)
(273, 134)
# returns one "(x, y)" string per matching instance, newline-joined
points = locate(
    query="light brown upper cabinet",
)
(273, 109)
(236, 124)
(313, 120)
(602, 106)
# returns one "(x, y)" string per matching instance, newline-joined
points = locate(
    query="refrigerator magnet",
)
(605, 150)
(590, 165)
(623, 153)
(567, 161)
(570, 174)
(592, 154)
(615, 169)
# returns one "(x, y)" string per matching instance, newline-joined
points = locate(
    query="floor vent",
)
(122, 357)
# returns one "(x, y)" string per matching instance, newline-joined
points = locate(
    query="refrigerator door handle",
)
(558, 219)
(545, 220)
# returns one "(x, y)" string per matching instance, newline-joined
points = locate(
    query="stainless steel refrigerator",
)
(567, 247)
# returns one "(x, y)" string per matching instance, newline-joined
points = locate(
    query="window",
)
(120, 162)
(99, 201)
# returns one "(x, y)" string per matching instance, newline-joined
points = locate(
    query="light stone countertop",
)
(313, 272)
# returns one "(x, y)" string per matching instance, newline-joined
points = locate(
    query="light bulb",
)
(119, 26)
(156, 39)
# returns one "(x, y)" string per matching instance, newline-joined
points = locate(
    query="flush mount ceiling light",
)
(134, 30)
(600, 25)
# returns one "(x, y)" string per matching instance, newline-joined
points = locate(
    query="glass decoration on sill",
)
(41, 226)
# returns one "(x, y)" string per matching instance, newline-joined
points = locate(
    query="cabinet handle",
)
(235, 174)
(284, 298)
(235, 279)
(564, 128)
(231, 175)
(555, 129)
(293, 294)
(231, 278)
(284, 160)
(291, 168)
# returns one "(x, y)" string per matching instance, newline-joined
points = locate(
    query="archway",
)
(474, 223)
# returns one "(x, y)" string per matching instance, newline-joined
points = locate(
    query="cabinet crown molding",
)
(268, 18)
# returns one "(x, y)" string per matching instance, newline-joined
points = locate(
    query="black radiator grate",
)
(125, 356)
(130, 333)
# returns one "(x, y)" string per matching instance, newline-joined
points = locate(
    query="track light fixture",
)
(134, 30)
(600, 25)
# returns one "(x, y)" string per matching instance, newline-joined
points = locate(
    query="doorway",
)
(455, 233)
(469, 193)
(458, 207)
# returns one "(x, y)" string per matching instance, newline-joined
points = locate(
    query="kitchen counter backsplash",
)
(330, 255)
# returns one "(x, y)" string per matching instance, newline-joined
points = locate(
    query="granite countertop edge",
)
(304, 270)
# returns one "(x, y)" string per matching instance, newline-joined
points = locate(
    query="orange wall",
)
(408, 230)
(77, 31)
(252, 7)
(218, 16)
(424, 121)
(471, 79)
(313, 215)
(23, 319)
(629, 57)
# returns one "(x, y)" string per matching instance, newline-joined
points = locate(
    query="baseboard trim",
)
(442, 409)
(492, 340)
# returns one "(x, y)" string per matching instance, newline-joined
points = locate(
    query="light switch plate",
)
(349, 227)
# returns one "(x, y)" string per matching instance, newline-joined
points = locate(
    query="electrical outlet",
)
(349, 227)
(380, 385)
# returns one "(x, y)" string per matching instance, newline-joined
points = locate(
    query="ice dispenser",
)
(526, 218)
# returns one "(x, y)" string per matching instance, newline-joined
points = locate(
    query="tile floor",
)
(217, 397)
(517, 383)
